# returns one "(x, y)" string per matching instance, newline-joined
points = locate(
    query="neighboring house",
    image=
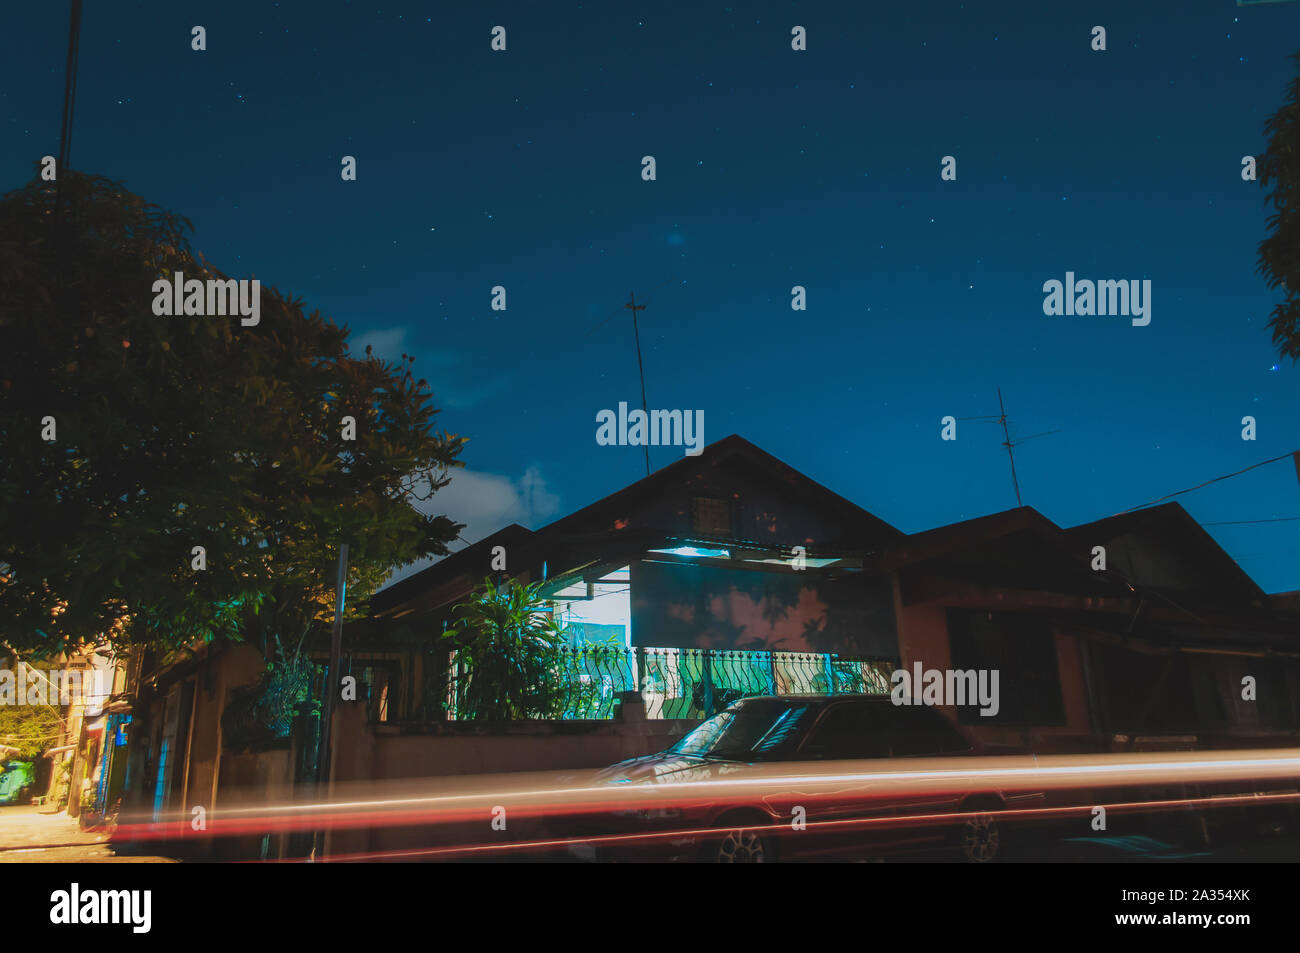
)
(1151, 650)
(75, 693)
(88, 764)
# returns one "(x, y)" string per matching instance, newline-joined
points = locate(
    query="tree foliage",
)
(264, 711)
(177, 432)
(1279, 254)
(29, 728)
(509, 660)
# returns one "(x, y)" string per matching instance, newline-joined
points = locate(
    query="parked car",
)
(804, 733)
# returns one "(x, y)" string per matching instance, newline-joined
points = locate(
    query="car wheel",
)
(740, 845)
(979, 838)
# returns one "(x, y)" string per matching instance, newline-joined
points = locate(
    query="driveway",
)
(25, 826)
(43, 835)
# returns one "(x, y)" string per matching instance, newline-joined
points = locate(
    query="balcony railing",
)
(697, 683)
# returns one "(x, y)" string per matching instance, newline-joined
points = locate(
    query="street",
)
(31, 834)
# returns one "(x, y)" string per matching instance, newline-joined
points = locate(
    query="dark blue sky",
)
(775, 168)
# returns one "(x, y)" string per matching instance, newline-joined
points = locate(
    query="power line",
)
(1280, 519)
(1295, 455)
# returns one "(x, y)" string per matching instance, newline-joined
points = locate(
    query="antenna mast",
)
(1002, 419)
(640, 367)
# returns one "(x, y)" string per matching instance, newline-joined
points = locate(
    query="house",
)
(1136, 630)
(1111, 633)
(722, 574)
(80, 770)
(729, 571)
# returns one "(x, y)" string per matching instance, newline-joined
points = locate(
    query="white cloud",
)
(486, 502)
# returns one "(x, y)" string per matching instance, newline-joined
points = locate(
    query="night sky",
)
(775, 168)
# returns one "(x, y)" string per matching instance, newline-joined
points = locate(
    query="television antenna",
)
(1001, 418)
(640, 364)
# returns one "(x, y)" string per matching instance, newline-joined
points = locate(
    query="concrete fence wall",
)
(368, 758)
(251, 779)
(381, 752)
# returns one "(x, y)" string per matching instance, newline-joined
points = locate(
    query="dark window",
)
(711, 517)
(849, 730)
(1276, 682)
(915, 730)
(1143, 692)
(1022, 650)
(1208, 685)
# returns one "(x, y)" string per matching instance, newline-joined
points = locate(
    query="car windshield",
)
(753, 731)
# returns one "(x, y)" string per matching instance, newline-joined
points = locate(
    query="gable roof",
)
(603, 513)
(604, 521)
(1001, 538)
(1015, 549)
(982, 529)
(1169, 521)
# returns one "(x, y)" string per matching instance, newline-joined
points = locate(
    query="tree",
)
(1279, 254)
(509, 655)
(29, 728)
(181, 432)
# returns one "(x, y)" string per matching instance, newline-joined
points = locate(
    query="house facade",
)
(729, 574)
(722, 574)
(1133, 631)
(1136, 631)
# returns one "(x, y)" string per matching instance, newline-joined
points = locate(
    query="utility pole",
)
(330, 687)
(69, 89)
(63, 164)
(640, 367)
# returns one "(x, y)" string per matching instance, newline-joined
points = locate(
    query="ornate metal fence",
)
(698, 683)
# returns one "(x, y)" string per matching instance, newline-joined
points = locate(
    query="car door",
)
(834, 799)
(917, 732)
(865, 730)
